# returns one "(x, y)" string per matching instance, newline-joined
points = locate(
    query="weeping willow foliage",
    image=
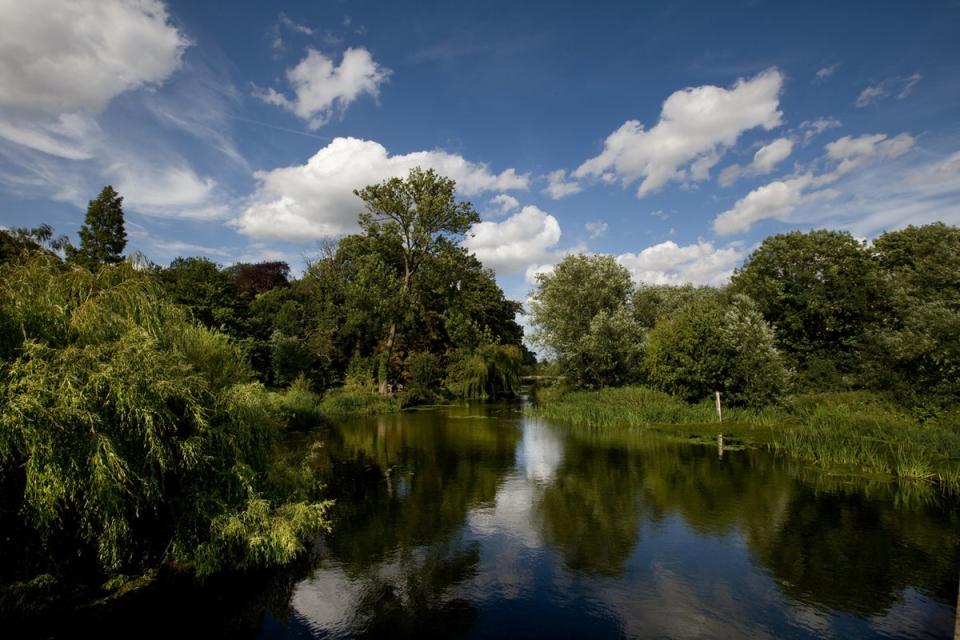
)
(489, 371)
(130, 436)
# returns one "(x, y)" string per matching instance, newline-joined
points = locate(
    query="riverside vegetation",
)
(144, 406)
(821, 346)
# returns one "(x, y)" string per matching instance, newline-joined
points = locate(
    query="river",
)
(482, 522)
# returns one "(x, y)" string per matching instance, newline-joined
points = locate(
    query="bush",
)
(709, 346)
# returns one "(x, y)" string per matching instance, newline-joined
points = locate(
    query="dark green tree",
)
(821, 291)
(410, 216)
(102, 236)
(917, 352)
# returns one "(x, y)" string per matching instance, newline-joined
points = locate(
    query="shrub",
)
(709, 346)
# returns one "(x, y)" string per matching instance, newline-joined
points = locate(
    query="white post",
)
(719, 435)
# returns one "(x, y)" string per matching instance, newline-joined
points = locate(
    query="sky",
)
(674, 136)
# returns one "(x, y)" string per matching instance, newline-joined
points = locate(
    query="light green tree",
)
(579, 314)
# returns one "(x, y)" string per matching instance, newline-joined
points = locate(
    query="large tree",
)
(412, 215)
(821, 292)
(102, 236)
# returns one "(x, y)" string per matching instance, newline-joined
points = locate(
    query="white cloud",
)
(166, 190)
(900, 87)
(534, 270)
(813, 128)
(59, 57)
(670, 263)
(315, 200)
(696, 125)
(504, 203)
(895, 194)
(780, 198)
(826, 72)
(559, 187)
(777, 199)
(855, 152)
(320, 87)
(764, 161)
(523, 239)
(60, 65)
(596, 229)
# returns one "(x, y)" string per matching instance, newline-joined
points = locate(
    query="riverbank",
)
(856, 431)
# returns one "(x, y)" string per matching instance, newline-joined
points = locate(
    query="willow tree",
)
(411, 215)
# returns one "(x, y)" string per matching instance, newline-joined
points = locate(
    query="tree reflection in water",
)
(478, 521)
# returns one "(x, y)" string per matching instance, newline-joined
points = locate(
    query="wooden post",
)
(719, 435)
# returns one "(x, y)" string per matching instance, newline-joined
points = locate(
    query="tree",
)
(102, 236)
(917, 351)
(131, 437)
(410, 216)
(821, 292)
(709, 346)
(580, 314)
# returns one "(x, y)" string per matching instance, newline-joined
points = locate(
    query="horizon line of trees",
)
(807, 311)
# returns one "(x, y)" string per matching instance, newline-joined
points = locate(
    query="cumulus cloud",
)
(780, 198)
(670, 263)
(899, 87)
(777, 199)
(321, 87)
(58, 57)
(559, 187)
(315, 200)
(813, 128)
(764, 161)
(504, 203)
(696, 125)
(523, 239)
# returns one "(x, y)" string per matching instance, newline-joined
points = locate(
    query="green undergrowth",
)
(857, 431)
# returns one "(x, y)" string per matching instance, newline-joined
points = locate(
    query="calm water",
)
(479, 522)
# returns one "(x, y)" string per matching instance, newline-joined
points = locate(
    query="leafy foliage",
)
(709, 346)
(580, 308)
(130, 434)
(820, 291)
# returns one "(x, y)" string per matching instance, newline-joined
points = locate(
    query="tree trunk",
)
(391, 337)
(392, 334)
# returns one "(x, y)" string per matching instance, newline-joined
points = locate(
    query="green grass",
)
(856, 431)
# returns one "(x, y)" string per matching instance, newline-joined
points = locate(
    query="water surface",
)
(481, 522)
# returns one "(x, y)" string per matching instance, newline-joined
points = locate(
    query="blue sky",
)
(673, 136)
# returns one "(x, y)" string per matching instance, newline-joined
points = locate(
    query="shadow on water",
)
(480, 522)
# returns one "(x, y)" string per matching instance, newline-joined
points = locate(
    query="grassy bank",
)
(301, 408)
(856, 431)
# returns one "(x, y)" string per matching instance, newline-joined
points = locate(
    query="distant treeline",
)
(807, 311)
